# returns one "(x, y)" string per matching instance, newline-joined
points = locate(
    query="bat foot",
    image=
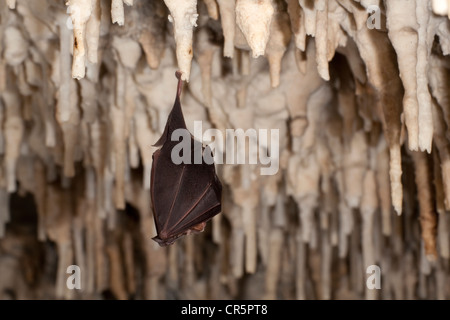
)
(178, 74)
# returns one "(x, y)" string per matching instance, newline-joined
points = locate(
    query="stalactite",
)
(254, 19)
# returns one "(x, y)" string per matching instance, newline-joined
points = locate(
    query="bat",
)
(184, 196)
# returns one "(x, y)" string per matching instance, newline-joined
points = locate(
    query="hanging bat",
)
(184, 196)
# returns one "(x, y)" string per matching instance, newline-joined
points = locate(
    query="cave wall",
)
(359, 93)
